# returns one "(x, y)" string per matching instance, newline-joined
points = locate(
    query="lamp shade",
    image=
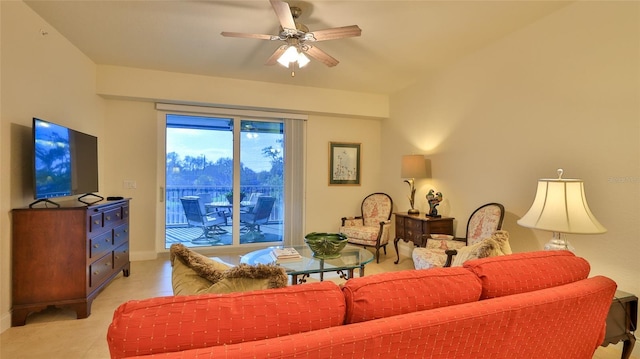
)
(561, 206)
(413, 166)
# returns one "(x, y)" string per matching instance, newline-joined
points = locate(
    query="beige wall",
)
(42, 76)
(561, 93)
(45, 76)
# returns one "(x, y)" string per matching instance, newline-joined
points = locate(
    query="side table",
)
(622, 321)
(410, 227)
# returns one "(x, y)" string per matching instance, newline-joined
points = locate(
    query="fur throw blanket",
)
(215, 271)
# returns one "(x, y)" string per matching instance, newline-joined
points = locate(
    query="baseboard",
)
(143, 256)
(5, 321)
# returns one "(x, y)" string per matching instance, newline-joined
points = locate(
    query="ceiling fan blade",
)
(249, 36)
(337, 33)
(283, 12)
(276, 55)
(321, 56)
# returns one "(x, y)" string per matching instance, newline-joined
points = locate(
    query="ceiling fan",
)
(298, 39)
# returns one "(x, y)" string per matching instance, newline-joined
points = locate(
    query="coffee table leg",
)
(294, 279)
(362, 271)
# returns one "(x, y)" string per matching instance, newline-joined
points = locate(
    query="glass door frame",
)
(294, 173)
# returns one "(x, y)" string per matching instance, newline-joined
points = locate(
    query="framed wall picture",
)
(344, 163)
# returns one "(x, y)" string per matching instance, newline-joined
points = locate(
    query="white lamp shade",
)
(413, 166)
(561, 206)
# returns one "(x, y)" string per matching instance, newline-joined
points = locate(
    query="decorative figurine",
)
(434, 200)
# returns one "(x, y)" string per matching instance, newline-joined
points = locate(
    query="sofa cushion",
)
(193, 273)
(496, 245)
(169, 324)
(526, 272)
(392, 293)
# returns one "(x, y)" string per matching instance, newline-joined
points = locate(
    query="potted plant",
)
(229, 196)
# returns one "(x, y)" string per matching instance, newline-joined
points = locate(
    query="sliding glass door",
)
(225, 180)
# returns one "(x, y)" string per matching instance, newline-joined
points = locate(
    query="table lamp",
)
(413, 166)
(560, 206)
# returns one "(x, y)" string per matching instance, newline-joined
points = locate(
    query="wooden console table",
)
(622, 321)
(412, 228)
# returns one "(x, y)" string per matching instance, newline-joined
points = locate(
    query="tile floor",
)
(55, 333)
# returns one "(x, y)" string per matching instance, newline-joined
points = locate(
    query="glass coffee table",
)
(351, 258)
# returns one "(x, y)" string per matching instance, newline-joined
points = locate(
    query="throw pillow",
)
(496, 245)
(194, 273)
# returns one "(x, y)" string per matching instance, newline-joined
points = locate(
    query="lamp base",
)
(558, 242)
(413, 211)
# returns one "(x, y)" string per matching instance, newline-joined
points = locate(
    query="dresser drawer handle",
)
(108, 218)
(96, 245)
(96, 272)
(117, 234)
(107, 240)
(96, 222)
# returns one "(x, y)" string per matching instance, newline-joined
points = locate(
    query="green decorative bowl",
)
(326, 245)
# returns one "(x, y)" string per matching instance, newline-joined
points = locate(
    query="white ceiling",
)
(401, 40)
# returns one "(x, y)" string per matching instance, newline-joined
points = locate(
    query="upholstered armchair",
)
(440, 250)
(371, 227)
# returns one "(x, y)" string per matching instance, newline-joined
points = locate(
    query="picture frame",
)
(344, 163)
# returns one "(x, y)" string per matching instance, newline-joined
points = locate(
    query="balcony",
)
(178, 230)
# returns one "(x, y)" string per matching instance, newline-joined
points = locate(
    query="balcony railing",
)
(175, 213)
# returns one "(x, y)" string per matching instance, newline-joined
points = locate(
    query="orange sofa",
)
(526, 305)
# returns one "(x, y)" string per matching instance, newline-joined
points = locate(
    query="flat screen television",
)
(65, 162)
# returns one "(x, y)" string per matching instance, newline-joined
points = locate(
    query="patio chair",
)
(209, 222)
(256, 216)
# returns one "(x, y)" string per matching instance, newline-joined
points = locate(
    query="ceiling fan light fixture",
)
(289, 56)
(303, 60)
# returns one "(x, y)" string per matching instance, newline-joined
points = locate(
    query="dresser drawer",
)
(100, 244)
(413, 231)
(112, 217)
(120, 234)
(100, 270)
(121, 256)
(95, 222)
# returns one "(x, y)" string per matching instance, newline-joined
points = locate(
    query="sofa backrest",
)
(392, 293)
(169, 324)
(526, 272)
(561, 322)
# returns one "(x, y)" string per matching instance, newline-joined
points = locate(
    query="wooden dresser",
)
(64, 256)
(411, 228)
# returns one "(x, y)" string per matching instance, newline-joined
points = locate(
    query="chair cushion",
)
(361, 234)
(425, 258)
(526, 272)
(392, 293)
(193, 273)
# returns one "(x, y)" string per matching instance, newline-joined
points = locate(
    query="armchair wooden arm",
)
(345, 219)
(450, 253)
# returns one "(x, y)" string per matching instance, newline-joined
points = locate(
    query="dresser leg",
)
(395, 245)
